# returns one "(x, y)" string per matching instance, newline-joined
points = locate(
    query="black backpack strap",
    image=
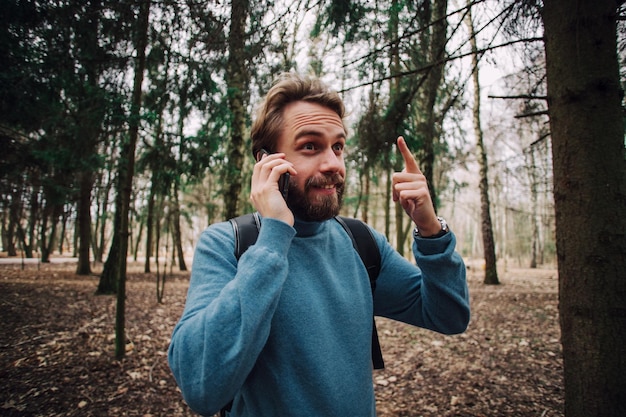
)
(246, 230)
(365, 244)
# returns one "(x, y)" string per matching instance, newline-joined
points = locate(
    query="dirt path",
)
(56, 353)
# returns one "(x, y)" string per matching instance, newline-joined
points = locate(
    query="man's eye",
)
(309, 147)
(338, 147)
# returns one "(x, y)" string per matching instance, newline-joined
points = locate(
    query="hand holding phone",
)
(283, 181)
(271, 173)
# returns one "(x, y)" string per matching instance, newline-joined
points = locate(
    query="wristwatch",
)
(444, 229)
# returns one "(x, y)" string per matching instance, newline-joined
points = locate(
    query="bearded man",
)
(285, 330)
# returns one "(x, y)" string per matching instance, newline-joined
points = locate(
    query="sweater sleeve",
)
(432, 294)
(228, 312)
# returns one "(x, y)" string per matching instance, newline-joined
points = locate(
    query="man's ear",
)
(261, 153)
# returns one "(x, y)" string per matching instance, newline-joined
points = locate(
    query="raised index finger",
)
(409, 160)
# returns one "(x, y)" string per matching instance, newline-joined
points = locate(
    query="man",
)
(286, 329)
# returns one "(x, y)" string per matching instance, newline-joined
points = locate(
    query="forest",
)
(125, 126)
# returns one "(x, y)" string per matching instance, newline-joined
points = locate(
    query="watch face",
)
(443, 231)
(444, 224)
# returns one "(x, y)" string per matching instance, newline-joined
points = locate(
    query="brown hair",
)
(289, 88)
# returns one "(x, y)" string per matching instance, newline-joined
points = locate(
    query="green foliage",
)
(66, 81)
(374, 141)
(342, 16)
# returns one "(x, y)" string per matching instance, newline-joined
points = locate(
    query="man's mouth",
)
(325, 185)
(326, 189)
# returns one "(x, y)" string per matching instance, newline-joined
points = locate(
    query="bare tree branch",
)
(520, 97)
(442, 61)
(541, 139)
(532, 114)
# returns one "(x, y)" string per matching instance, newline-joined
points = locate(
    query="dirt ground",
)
(56, 353)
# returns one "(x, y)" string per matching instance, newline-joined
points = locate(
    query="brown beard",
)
(329, 206)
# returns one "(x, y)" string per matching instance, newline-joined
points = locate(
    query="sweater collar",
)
(307, 228)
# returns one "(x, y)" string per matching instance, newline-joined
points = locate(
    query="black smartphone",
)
(283, 181)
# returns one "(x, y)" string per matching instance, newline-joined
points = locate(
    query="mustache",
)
(325, 179)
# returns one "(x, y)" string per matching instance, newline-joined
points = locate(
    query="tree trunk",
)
(160, 277)
(399, 211)
(535, 246)
(587, 126)
(366, 197)
(98, 236)
(113, 278)
(110, 272)
(84, 222)
(137, 243)
(127, 173)
(436, 52)
(35, 209)
(176, 234)
(489, 247)
(394, 88)
(52, 213)
(237, 90)
(43, 226)
(156, 182)
(91, 114)
(62, 236)
(388, 196)
(183, 113)
(150, 225)
(14, 216)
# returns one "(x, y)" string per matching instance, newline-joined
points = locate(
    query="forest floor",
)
(57, 349)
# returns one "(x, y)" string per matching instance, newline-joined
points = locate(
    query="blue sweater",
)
(286, 331)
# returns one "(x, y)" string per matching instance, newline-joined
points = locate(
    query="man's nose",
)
(331, 162)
